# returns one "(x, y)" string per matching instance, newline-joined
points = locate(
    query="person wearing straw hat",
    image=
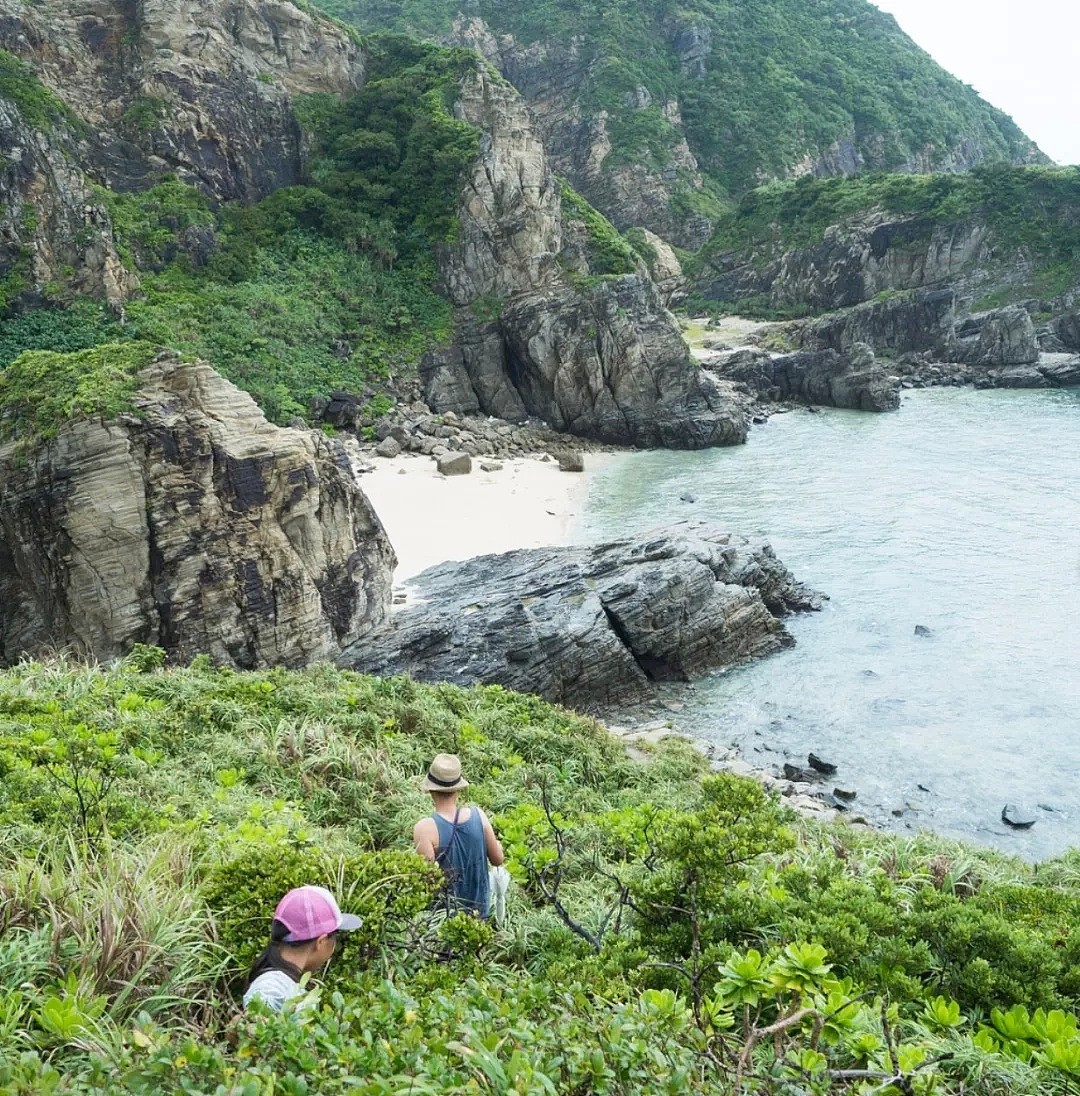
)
(303, 937)
(459, 839)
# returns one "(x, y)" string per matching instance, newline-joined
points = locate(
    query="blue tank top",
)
(462, 855)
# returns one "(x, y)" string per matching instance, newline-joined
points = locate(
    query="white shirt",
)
(273, 988)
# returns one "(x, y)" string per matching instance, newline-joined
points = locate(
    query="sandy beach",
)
(431, 518)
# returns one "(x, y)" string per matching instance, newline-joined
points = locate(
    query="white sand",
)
(431, 518)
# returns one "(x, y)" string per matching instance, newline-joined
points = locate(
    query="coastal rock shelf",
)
(591, 626)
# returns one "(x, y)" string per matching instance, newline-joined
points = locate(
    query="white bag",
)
(498, 884)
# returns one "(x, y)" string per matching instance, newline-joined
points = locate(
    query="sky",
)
(1021, 55)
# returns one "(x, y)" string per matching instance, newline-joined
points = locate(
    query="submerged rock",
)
(589, 626)
(193, 524)
(1017, 818)
(816, 763)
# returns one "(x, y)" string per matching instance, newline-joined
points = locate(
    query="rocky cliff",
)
(596, 356)
(139, 90)
(188, 522)
(658, 113)
(543, 328)
(202, 90)
(592, 626)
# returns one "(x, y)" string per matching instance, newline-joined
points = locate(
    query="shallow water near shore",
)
(960, 513)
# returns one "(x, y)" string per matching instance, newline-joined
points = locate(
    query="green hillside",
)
(762, 84)
(669, 932)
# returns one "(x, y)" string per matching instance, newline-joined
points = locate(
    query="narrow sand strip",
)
(431, 518)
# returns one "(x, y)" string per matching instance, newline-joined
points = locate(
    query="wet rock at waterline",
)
(1017, 817)
(591, 626)
(192, 524)
(852, 380)
(816, 763)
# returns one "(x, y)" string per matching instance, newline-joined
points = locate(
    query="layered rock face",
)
(592, 626)
(861, 259)
(204, 90)
(597, 357)
(192, 524)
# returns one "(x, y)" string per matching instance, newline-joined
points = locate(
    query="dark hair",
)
(271, 957)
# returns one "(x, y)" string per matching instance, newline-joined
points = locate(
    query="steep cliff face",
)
(190, 523)
(118, 94)
(631, 191)
(596, 356)
(859, 259)
(204, 91)
(52, 224)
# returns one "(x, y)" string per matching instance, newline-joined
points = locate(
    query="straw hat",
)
(444, 775)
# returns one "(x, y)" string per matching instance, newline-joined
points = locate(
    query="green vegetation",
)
(1028, 207)
(321, 286)
(762, 84)
(37, 105)
(669, 932)
(41, 389)
(607, 253)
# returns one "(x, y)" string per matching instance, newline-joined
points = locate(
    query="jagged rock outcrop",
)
(591, 626)
(631, 192)
(862, 258)
(202, 90)
(599, 357)
(928, 321)
(853, 380)
(1005, 336)
(191, 523)
(909, 323)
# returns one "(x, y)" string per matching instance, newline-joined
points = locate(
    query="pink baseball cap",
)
(309, 912)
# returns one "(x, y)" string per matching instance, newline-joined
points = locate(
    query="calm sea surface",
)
(961, 513)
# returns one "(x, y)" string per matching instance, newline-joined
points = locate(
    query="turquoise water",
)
(960, 512)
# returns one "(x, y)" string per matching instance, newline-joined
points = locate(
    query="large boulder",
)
(854, 380)
(1002, 337)
(591, 626)
(189, 522)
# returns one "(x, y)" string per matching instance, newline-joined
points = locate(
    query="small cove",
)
(961, 513)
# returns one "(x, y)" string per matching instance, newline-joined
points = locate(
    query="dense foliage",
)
(42, 389)
(321, 286)
(762, 84)
(669, 932)
(37, 106)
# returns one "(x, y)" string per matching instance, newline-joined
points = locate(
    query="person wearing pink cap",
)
(303, 936)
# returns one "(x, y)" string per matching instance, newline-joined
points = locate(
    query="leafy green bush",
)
(669, 931)
(607, 252)
(37, 105)
(40, 390)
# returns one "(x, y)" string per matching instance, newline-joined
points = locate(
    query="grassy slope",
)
(135, 801)
(784, 78)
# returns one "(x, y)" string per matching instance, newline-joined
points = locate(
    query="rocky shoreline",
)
(595, 626)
